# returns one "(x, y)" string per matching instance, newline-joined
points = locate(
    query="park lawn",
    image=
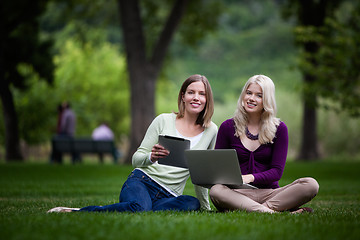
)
(29, 190)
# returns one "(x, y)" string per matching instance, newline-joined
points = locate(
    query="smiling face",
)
(253, 99)
(194, 98)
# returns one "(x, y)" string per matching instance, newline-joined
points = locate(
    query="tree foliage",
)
(20, 43)
(338, 63)
(251, 38)
(92, 79)
(78, 19)
(312, 18)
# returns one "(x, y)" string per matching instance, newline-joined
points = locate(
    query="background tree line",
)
(228, 41)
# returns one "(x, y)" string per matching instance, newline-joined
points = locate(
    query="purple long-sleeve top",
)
(266, 163)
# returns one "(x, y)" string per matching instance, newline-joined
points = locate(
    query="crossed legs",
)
(285, 198)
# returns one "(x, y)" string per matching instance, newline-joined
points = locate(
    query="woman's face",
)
(253, 99)
(194, 98)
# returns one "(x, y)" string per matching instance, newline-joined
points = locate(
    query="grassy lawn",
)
(29, 190)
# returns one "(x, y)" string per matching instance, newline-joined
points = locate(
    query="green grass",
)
(29, 190)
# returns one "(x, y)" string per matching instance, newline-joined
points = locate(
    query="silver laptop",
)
(219, 166)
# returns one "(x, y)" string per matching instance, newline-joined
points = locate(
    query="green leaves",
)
(92, 79)
(335, 65)
(95, 81)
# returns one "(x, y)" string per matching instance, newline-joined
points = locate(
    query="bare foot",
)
(302, 210)
(63, 209)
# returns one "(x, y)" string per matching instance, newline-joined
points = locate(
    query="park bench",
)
(77, 146)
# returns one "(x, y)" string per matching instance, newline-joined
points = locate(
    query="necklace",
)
(250, 136)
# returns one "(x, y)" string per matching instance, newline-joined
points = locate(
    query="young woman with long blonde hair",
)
(261, 143)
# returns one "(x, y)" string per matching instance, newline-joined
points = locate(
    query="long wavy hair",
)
(268, 121)
(204, 118)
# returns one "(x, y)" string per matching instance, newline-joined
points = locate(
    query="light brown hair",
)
(204, 118)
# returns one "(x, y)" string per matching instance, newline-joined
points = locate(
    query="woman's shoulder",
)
(166, 116)
(228, 123)
(281, 128)
(163, 119)
(212, 127)
(227, 126)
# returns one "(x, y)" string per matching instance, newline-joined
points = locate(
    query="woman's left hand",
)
(248, 178)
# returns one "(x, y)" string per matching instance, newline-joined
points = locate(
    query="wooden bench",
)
(76, 146)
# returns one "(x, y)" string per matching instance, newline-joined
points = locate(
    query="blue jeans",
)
(140, 193)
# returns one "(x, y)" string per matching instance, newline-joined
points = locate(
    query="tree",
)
(143, 72)
(144, 68)
(19, 43)
(80, 20)
(309, 14)
(337, 71)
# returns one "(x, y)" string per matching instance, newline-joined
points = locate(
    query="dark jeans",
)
(140, 193)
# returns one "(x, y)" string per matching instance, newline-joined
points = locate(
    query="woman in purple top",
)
(261, 142)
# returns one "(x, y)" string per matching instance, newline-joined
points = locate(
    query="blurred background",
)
(76, 51)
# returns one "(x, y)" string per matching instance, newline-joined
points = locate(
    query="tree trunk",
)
(311, 13)
(142, 110)
(143, 71)
(309, 141)
(12, 143)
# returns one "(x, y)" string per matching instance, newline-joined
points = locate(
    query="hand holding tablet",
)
(176, 146)
(158, 152)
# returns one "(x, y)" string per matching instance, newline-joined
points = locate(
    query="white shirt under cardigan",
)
(171, 178)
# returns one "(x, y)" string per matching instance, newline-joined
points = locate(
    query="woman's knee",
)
(312, 186)
(191, 203)
(216, 191)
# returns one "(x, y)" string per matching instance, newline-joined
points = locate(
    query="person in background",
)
(102, 132)
(261, 142)
(66, 126)
(59, 117)
(56, 156)
(155, 187)
(68, 121)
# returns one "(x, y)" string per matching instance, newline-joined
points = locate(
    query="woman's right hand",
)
(248, 178)
(158, 152)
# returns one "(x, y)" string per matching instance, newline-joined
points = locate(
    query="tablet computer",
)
(176, 147)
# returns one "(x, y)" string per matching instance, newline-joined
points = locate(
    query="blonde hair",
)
(204, 118)
(268, 120)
